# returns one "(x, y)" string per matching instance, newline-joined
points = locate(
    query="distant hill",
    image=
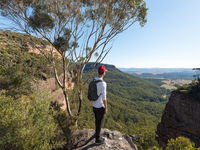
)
(162, 73)
(170, 75)
(155, 70)
(130, 87)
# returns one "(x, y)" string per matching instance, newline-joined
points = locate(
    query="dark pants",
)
(99, 113)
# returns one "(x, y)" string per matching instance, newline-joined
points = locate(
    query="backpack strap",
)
(97, 81)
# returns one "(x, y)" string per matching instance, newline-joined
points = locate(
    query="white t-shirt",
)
(101, 90)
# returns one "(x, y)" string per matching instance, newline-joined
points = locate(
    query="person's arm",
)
(104, 97)
(105, 104)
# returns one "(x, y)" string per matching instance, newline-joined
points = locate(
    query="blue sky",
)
(170, 39)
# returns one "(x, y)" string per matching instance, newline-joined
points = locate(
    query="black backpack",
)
(92, 90)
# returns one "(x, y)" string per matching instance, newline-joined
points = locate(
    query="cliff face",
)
(181, 117)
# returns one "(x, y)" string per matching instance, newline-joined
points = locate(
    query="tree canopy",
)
(67, 25)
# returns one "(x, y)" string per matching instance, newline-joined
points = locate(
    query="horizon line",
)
(156, 67)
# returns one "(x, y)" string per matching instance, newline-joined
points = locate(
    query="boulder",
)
(114, 140)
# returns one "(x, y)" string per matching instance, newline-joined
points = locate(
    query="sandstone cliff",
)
(181, 116)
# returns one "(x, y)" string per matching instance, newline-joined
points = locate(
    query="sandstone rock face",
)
(51, 86)
(181, 117)
(114, 140)
(43, 50)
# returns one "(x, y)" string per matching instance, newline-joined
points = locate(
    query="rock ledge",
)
(114, 140)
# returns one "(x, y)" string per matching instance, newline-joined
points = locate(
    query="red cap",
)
(102, 69)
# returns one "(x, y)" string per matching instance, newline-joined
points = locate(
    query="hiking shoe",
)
(100, 141)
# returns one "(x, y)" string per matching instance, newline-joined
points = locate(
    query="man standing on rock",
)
(100, 105)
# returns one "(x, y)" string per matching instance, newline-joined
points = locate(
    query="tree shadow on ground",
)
(90, 146)
(81, 147)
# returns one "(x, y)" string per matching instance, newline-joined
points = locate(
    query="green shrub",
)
(28, 123)
(180, 143)
(192, 89)
(146, 138)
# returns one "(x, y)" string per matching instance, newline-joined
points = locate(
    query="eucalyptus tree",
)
(79, 31)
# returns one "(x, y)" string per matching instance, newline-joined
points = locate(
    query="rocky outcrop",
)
(114, 140)
(51, 86)
(43, 50)
(181, 117)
